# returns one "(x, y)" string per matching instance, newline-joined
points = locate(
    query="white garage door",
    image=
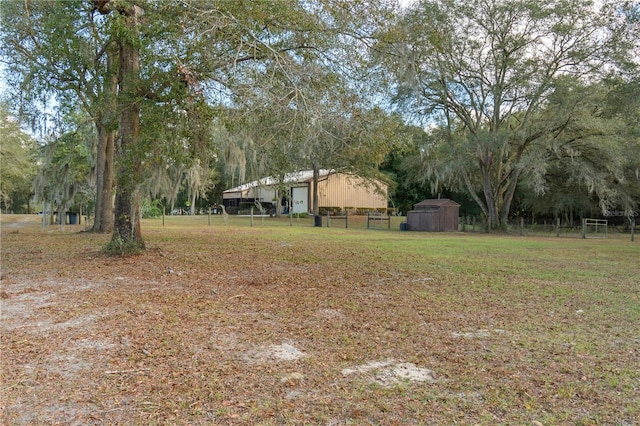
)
(300, 198)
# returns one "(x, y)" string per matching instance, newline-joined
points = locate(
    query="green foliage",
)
(53, 53)
(64, 178)
(403, 165)
(489, 77)
(588, 168)
(151, 209)
(17, 164)
(119, 246)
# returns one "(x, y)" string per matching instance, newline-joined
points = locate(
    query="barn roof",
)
(294, 177)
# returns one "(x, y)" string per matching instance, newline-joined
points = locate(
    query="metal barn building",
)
(335, 189)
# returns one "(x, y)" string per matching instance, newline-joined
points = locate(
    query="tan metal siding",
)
(340, 190)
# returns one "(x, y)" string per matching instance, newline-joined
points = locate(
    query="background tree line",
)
(512, 107)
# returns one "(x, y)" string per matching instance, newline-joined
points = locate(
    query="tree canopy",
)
(489, 77)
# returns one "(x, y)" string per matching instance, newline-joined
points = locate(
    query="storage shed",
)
(434, 216)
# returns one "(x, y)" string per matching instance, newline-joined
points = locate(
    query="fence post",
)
(209, 216)
(633, 227)
(584, 228)
(557, 227)
(251, 215)
(346, 218)
(163, 209)
(328, 218)
(521, 226)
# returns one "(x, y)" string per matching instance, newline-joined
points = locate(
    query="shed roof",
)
(439, 202)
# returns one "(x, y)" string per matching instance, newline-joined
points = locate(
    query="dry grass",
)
(278, 325)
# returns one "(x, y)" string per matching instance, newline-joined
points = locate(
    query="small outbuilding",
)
(434, 216)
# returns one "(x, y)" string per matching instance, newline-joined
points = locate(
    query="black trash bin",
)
(403, 226)
(73, 218)
(317, 220)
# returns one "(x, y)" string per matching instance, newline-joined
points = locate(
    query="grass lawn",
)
(272, 324)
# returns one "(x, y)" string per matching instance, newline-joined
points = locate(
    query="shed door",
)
(300, 199)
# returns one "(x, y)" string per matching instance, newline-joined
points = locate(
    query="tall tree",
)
(60, 56)
(127, 232)
(483, 72)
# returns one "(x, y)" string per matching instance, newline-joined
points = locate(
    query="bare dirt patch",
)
(391, 372)
(274, 353)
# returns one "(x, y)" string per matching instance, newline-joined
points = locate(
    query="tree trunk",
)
(508, 198)
(192, 209)
(487, 189)
(29, 203)
(278, 202)
(127, 210)
(104, 179)
(316, 196)
(472, 192)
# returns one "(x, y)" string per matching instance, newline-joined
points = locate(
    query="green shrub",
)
(333, 211)
(151, 209)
